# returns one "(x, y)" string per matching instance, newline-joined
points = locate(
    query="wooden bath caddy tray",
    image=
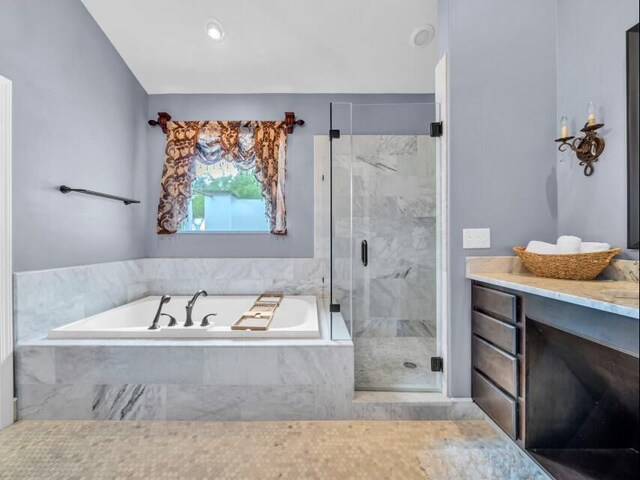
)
(260, 315)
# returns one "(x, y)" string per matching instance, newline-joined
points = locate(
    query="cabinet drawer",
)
(495, 331)
(501, 304)
(498, 366)
(496, 404)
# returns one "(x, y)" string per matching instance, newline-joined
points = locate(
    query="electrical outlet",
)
(476, 238)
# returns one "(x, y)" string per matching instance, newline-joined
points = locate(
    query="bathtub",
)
(296, 317)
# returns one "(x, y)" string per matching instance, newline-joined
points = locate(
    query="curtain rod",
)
(290, 121)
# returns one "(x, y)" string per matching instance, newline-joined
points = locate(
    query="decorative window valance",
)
(247, 144)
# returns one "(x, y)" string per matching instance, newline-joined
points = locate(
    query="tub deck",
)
(295, 317)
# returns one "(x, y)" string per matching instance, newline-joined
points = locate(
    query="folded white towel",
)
(568, 244)
(545, 248)
(588, 247)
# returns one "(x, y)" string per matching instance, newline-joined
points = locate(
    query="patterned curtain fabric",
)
(247, 144)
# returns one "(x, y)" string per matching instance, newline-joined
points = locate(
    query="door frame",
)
(6, 290)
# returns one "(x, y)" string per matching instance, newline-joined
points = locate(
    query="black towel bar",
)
(126, 201)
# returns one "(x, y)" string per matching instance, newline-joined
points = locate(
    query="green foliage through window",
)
(197, 205)
(243, 185)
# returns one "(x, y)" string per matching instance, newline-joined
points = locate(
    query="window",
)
(225, 198)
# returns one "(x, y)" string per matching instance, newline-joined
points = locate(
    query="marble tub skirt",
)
(224, 379)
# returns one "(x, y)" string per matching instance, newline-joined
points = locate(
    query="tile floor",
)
(379, 363)
(265, 450)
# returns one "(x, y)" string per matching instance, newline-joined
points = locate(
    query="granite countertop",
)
(616, 291)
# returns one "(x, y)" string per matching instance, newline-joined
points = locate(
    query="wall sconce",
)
(589, 147)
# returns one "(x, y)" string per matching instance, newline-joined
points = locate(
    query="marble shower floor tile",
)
(379, 363)
(265, 450)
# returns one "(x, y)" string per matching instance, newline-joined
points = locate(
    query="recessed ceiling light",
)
(214, 30)
(423, 35)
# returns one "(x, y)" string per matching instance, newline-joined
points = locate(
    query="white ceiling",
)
(272, 46)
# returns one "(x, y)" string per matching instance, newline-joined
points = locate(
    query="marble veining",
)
(414, 328)
(188, 382)
(615, 296)
(128, 402)
(624, 270)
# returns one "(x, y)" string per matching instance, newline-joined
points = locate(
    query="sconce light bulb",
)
(591, 111)
(564, 127)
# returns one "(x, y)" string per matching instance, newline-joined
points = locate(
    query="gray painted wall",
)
(314, 109)
(79, 119)
(502, 156)
(443, 33)
(591, 66)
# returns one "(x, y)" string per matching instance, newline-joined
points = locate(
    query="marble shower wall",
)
(389, 199)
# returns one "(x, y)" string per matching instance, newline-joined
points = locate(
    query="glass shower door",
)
(393, 203)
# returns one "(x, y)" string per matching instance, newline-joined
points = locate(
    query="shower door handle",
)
(364, 253)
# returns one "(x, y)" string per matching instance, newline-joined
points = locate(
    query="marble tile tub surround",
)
(615, 291)
(64, 381)
(213, 382)
(229, 276)
(51, 298)
(46, 299)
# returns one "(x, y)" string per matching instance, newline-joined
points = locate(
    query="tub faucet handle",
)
(172, 320)
(205, 320)
(156, 319)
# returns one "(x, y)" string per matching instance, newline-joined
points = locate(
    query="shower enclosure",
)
(384, 241)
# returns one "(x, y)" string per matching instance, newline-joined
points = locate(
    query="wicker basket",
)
(568, 266)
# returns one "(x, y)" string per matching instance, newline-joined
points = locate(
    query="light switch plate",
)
(476, 238)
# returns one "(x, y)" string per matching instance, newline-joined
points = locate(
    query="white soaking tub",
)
(296, 317)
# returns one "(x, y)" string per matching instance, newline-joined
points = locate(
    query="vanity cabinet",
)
(560, 379)
(497, 380)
